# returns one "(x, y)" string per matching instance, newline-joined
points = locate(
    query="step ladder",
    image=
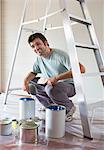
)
(71, 45)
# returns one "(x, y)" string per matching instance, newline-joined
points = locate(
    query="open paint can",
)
(55, 121)
(27, 108)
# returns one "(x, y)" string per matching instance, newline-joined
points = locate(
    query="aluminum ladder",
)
(72, 46)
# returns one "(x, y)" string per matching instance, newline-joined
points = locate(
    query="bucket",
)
(5, 126)
(55, 121)
(27, 108)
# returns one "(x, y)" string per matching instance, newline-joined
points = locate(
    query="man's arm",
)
(68, 74)
(27, 79)
(82, 68)
(65, 75)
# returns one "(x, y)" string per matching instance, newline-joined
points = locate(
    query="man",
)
(56, 84)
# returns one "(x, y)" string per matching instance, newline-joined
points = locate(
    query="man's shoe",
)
(69, 115)
(42, 108)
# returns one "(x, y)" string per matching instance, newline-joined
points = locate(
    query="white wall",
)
(97, 13)
(103, 27)
(25, 57)
(0, 45)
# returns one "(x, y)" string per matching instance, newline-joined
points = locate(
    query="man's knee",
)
(32, 89)
(48, 90)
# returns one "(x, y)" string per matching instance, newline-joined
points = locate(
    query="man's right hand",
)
(28, 78)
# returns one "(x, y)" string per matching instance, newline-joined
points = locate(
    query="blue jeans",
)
(47, 94)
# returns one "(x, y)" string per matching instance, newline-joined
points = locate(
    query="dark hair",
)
(36, 35)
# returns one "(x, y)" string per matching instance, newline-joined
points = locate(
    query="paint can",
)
(29, 132)
(5, 126)
(27, 108)
(55, 121)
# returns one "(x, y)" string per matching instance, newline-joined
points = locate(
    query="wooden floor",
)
(73, 139)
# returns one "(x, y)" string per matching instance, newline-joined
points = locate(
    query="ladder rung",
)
(92, 74)
(86, 46)
(79, 20)
(44, 17)
(80, 0)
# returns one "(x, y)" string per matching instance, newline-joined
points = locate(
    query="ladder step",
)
(80, 0)
(79, 20)
(86, 46)
(92, 74)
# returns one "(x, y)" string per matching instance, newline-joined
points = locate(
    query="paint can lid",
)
(28, 124)
(26, 99)
(56, 107)
(5, 121)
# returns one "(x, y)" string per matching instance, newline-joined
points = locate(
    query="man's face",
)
(39, 47)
